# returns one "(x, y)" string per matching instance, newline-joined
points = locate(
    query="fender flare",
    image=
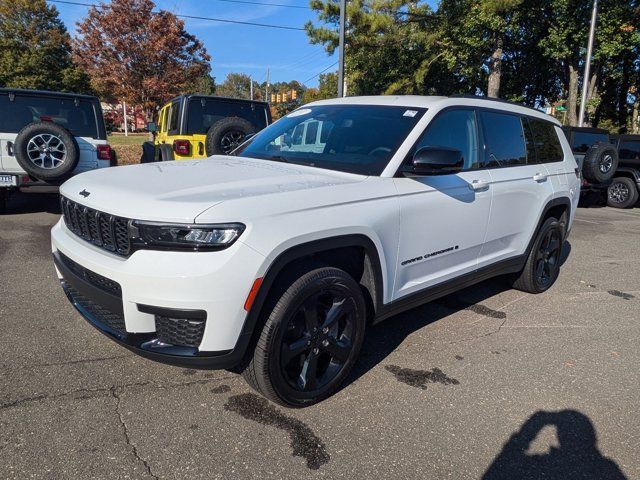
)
(556, 202)
(299, 251)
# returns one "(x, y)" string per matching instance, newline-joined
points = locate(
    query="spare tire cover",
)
(47, 151)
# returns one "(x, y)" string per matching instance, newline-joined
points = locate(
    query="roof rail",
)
(499, 100)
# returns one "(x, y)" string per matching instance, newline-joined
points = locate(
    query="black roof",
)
(47, 93)
(213, 97)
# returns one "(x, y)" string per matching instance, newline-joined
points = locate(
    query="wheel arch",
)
(326, 251)
(557, 207)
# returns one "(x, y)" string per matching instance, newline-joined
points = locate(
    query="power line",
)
(266, 4)
(194, 17)
(320, 73)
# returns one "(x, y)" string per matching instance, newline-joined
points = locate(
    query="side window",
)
(505, 140)
(629, 150)
(454, 129)
(162, 120)
(546, 141)
(174, 118)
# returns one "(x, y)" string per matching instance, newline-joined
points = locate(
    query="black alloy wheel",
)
(311, 337)
(548, 259)
(231, 140)
(318, 340)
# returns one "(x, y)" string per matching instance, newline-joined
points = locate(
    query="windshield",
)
(350, 138)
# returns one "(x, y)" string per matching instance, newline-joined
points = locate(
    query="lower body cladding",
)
(182, 308)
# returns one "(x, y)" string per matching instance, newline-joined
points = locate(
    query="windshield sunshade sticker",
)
(410, 113)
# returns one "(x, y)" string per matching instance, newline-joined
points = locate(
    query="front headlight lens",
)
(189, 237)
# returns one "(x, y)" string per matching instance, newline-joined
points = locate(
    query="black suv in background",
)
(624, 190)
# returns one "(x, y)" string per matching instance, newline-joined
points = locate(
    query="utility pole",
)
(266, 95)
(251, 87)
(587, 64)
(343, 13)
(126, 127)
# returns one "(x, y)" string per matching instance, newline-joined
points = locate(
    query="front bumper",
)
(152, 284)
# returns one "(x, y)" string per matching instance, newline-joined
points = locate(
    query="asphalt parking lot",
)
(487, 383)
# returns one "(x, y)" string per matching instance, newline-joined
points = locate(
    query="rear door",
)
(520, 185)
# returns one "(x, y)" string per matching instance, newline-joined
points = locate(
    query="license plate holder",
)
(8, 181)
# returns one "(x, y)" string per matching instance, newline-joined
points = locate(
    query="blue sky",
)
(243, 48)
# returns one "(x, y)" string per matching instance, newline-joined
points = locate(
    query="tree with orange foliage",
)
(137, 54)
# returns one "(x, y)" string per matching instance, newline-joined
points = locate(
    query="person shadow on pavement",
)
(575, 458)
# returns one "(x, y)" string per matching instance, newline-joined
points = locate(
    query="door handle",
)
(478, 185)
(540, 177)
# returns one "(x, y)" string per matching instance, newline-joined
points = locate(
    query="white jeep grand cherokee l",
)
(274, 261)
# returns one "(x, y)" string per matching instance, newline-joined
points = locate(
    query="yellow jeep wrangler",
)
(198, 126)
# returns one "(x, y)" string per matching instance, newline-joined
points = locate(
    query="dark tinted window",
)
(454, 129)
(583, 141)
(546, 140)
(360, 138)
(505, 139)
(629, 150)
(205, 112)
(79, 119)
(174, 118)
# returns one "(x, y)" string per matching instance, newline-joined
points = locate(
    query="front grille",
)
(179, 331)
(103, 283)
(112, 320)
(103, 230)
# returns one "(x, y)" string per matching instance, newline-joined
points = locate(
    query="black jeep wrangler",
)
(596, 157)
(624, 190)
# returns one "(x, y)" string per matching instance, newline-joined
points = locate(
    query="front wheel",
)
(543, 263)
(622, 193)
(310, 340)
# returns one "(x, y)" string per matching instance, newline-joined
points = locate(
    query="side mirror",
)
(437, 161)
(152, 127)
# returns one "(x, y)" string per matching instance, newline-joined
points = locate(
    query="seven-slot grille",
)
(101, 229)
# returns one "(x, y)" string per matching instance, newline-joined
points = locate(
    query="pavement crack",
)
(125, 431)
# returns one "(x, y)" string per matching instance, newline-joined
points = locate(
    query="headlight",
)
(185, 237)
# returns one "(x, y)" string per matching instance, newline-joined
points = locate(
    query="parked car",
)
(197, 126)
(273, 262)
(46, 137)
(624, 190)
(596, 157)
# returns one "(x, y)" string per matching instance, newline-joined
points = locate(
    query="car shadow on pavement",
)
(576, 455)
(20, 203)
(384, 338)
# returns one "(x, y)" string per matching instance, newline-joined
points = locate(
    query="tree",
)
(327, 88)
(35, 49)
(236, 85)
(205, 85)
(134, 53)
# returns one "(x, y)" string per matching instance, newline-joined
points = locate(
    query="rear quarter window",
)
(80, 117)
(547, 144)
(203, 113)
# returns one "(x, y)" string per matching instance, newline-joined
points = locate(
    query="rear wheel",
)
(226, 135)
(310, 340)
(622, 193)
(543, 264)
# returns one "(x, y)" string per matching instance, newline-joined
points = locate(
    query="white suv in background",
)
(45, 137)
(274, 261)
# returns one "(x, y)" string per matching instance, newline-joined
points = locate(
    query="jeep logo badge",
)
(84, 193)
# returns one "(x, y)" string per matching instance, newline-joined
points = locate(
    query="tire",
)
(148, 153)
(47, 151)
(600, 163)
(225, 135)
(622, 193)
(549, 239)
(312, 372)
(4, 196)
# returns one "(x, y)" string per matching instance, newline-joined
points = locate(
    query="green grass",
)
(115, 140)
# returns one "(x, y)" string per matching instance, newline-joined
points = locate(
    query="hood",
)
(179, 191)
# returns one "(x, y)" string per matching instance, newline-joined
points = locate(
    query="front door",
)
(443, 217)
